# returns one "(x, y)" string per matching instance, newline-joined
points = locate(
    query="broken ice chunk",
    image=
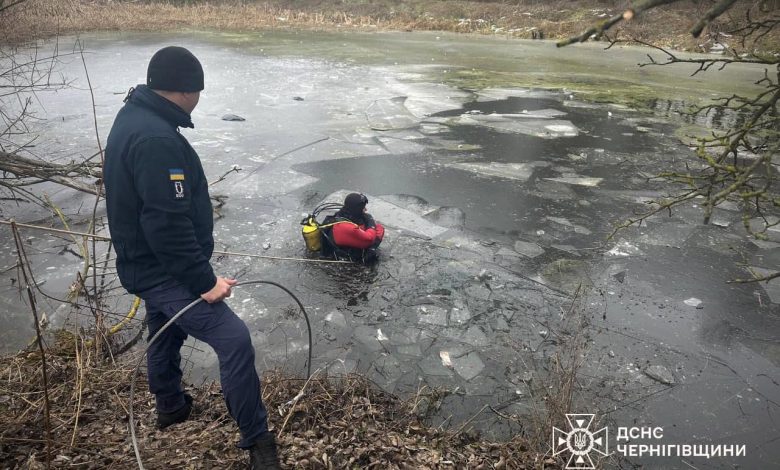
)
(460, 315)
(693, 302)
(368, 337)
(475, 336)
(410, 350)
(534, 123)
(380, 336)
(623, 248)
(661, 374)
(562, 129)
(445, 358)
(512, 171)
(566, 225)
(668, 234)
(528, 249)
(447, 217)
(577, 180)
(337, 318)
(468, 366)
(386, 114)
(433, 315)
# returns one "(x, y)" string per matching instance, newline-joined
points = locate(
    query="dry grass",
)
(559, 390)
(557, 19)
(341, 422)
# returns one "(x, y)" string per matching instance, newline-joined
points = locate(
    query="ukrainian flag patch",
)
(177, 174)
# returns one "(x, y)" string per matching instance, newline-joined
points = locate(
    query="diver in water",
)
(352, 232)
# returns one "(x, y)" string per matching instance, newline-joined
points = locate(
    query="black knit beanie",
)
(174, 68)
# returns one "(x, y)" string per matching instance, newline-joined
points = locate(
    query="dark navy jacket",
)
(157, 199)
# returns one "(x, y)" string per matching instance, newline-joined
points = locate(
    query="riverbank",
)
(338, 422)
(531, 20)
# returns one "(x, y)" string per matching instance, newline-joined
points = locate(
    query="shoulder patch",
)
(176, 174)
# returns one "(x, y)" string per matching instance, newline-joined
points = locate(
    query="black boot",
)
(262, 455)
(179, 416)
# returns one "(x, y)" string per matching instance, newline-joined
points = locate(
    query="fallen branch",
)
(27, 171)
(755, 278)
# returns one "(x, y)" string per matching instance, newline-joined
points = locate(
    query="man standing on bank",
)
(161, 223)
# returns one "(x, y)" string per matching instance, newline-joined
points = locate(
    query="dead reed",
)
(525, 19)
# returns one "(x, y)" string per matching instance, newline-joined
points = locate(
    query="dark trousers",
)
(220, 328)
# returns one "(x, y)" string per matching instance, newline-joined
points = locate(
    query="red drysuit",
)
(350, 235)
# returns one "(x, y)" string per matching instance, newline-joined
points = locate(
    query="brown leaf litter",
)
(338, 422)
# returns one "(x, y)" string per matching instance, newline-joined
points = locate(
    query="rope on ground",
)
(281, 258)
(218, 252)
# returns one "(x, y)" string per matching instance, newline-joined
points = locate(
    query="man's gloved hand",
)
(369, 220)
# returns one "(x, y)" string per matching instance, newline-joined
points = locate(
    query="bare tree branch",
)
(713, 13)
(5, 7)
(738, 162)
(766, 278)
(605, 25)
(28, 171)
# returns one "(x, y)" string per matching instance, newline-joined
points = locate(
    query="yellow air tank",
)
(311, 234)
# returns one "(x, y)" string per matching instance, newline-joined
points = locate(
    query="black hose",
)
(324, 207)
(170, 322)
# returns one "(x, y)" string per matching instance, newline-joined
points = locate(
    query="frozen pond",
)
(498, 197)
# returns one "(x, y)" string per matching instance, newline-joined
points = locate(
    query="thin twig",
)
(295, 401)
(47, 405)
(79, 385)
